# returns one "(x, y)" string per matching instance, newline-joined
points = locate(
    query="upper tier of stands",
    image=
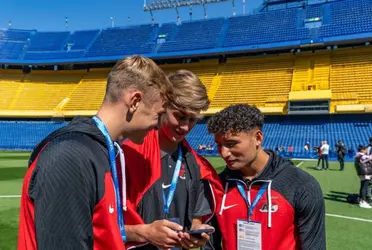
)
(326, 22)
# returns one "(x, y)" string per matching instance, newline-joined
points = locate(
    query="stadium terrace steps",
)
(352, 72)
(266, 82)
(123, 41)
(319, 23)
(13, 42)
(194, 35)
(253, 81)
(48, 41)
(311, 73)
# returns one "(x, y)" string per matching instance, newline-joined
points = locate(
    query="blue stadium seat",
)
(81, 39)
(123, 41)
(192, 35)
(48, 41)
(264, 28)
(12, 43)
(24, 135)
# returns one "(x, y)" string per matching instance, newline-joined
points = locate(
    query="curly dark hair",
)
(236, 118)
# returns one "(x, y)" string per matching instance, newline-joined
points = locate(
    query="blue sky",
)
(49, 15)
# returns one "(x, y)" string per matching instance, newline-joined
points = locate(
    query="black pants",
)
(342, 162)
(319, 159)
(363, 189)
(325, 159)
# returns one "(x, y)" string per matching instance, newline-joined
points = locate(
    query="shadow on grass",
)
(7, 174)
(336, 196)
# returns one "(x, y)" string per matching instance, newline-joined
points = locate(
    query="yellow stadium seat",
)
(254, 81)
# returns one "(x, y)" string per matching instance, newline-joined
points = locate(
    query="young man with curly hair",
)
(267, 203)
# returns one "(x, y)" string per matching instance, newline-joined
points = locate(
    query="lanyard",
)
(256, 199)
(114, 173)
(168, 200)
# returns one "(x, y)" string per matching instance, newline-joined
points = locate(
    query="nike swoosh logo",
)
(165, 186)
(183, 177)
(111, 209)
(228, 207)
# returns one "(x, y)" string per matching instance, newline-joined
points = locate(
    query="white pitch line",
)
(299, 164)
(349, 218)
(331, 215)
(9, 196)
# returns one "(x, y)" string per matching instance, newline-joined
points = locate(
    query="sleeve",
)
(203, 202)
(310, 216)
(64, 193)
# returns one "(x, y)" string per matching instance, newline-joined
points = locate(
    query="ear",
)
(135, 99)
(259, 137)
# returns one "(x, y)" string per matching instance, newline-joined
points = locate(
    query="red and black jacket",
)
(143, 169)
(291, 212)
(68, 197)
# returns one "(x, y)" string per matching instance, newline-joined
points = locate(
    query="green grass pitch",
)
(342, 233)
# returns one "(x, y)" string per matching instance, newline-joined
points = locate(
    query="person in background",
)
(341, 151)
(277, 149)
(369, 148)
(290, 150)
(363, 166)
(267, 202)
(319, 153)
(306, 147)
(325, 152)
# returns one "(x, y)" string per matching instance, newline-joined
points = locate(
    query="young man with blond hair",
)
(167, 179)
(70, 191)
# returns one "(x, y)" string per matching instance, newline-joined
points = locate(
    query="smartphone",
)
(198, 232)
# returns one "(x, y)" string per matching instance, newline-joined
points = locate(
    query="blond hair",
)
(140, 73)
(189, 92)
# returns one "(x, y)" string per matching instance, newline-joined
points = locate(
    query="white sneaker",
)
(364, 204)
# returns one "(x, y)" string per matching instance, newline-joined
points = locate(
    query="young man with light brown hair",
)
(70, 197)
(167, 179)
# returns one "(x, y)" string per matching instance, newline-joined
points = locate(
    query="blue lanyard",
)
(256, 199)
(172, 189)
(114, 173)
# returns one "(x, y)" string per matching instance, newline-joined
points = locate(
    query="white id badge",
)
(249, 235)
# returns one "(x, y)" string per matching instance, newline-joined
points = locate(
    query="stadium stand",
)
(348, 17)
(80, 40)
(300, 25)
(278, 131)
(24, 135)
(192, 35)
(48, 41)
(265, 78)
(123, 41)
(264, 28)
(12, 43)
(296, 131)
(341, 76)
